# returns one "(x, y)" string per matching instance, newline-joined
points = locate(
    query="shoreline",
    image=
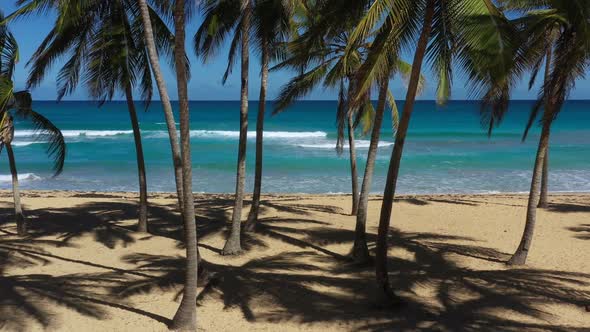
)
(157, 194)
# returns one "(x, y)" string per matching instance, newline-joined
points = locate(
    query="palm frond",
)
(45, 130)
(235, 45)
(9, 51)
(6, 92)
(394, 112)
(365, 116)
(341, 117)
(300, 86)
(220, 18)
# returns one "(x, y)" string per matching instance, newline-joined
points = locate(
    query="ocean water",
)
(446, 151)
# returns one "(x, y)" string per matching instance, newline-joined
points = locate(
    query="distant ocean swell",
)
(311, 139)
(446, 151)
(162, 133)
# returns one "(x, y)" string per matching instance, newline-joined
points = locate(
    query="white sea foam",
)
(251, 134)
(21, 177)
(77, 133)
(361, 144)
(27, 143)
(97, 133)
(194, 133)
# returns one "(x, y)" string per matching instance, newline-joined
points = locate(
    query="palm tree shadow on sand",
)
(281, 288)
(307, 283)
(582, 232)
(33, 297)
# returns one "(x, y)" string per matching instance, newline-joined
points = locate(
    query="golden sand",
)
(84, 269)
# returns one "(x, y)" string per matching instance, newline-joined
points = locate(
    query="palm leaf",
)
(6, 92)
(300, 86)
(9, 52)
(394, 112)
(45, 130)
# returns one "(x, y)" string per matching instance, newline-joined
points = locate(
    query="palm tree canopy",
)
(19, 104)
(323, 55)
(472, 36)
(562, 29)
(271, 23)
(102, 43)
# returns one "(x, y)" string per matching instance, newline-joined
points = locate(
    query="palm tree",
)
(222, 18)
(548, 46)
(45, 130)
(272, 23)
(185, 318)
(441, 31)
(19, 104)
(106, 44)
(567, 58)
(320, 55)
(164, 97)
(268, 23)
(360, 250)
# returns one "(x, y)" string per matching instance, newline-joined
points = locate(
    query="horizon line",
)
(305, 100)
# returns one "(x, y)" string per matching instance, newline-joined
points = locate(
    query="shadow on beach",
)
(308, 283)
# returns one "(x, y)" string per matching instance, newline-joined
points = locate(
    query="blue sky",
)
(206, 78)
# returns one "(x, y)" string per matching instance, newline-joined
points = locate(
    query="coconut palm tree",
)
(105, 44)
(567, 59)
(164, 97)
(465, 30)
(19, 104)
(267, 22)
(360, 250)
(340, 52)
(272, 24)
(222, 18)
(319, 54)
(546, 55)
(185, 318)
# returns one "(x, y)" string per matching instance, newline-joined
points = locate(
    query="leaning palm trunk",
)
(164, 97)
(520, 256)
(543, 198)
(360, 250)
(352, 147)
(396, 155)
(19, 217)
(353, 168)
(185, 318)
(7, 133)
(232, 245)
(253, 215)
(143, 203)
(545, 177)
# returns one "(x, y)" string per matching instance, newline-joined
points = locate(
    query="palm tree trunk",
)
(143, 203)
(164, 97)
(381, 271)
(19, 217)
(353, 169)
(520, 256)
(360, 250)
(253, 215)
(185, 318)
(232, 245)
(543, 200)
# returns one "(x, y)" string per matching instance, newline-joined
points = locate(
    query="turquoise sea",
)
(447, 151)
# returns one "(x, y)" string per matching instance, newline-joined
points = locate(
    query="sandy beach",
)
(84, 268)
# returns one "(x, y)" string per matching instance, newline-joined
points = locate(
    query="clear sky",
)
(206, 78)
